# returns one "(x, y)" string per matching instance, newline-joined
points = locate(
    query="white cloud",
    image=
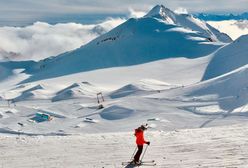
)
(42, 40)
(136, 14)
(181, 10)
(233, 28)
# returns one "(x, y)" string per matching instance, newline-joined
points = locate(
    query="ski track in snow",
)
(215, 147)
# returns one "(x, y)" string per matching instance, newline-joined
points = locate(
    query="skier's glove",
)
(148, 143)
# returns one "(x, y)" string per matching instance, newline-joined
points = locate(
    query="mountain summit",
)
(160, 34)
(160, 12)
(187, 21)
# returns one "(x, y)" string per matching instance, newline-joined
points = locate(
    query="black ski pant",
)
(138, 153)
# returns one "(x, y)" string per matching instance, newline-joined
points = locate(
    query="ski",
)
(142, 162)
(148, 161)
(126, 163)
(148, 164)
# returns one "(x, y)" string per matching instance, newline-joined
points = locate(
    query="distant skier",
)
(140, 141)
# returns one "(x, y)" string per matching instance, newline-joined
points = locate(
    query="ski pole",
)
(144, 153)
(133, 153)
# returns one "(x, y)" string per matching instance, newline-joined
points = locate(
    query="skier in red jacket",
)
(140, 141)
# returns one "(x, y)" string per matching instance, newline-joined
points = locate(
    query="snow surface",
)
(230, 57)
(206, 147)
(201, 104)
(225, 95)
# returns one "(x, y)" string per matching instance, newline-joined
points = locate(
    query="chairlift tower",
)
(100, 98)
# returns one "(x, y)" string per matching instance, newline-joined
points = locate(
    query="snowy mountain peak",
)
(161, 12)
(157, 10)
(187, 21)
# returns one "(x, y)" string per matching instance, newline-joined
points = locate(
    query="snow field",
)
(215, 147)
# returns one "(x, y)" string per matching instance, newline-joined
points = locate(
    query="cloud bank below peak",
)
(41, 40)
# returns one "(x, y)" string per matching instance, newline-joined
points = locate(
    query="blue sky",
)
(32, 10)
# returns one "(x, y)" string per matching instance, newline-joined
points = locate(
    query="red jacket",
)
(139, 133)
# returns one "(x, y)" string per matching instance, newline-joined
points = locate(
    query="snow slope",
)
(185, 71)
(203, 104)
(136, 41)
(76, 90)
(105, 80)
(206, 147)
(141, 87)
(131, 97)
(31, 93)
(228, 58)
(227, 95)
